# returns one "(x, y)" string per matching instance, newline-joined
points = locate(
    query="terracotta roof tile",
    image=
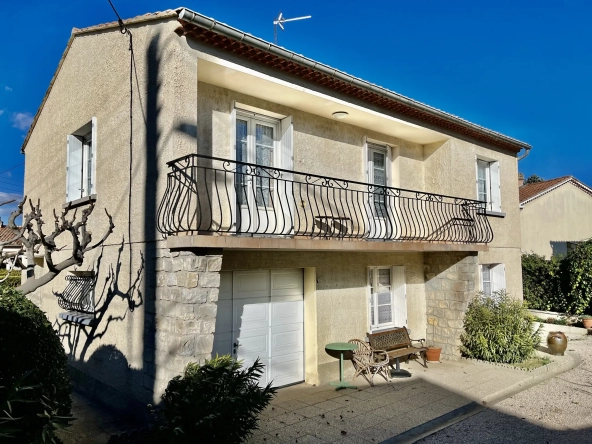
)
(530, 190)
(7, 234)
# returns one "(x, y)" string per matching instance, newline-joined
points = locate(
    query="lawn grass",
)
(532, 363)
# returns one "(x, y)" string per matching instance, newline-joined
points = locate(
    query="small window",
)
(81, 162)
(488, 184)
(388, 305)
(493, 278)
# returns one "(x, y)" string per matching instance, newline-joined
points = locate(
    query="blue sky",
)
(518, 67)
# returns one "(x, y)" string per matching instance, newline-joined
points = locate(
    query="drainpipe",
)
(526, 153)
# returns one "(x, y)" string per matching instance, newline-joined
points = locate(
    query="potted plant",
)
(433, 354)
(587, 321)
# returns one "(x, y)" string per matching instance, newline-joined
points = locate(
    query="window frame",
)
(493, 204)
(372, 304)
(497, 277)
(87, 136)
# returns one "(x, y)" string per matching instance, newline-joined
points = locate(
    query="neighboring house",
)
(555, 215)
(273, 205)
(8, 250)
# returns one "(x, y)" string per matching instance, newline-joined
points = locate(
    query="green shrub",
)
(541, 284)
(498, 329)
(30, 346)
(217, 402)
(576, 278)
(13, 281)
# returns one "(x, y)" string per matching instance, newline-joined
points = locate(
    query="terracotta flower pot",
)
(433, 354)
(557, 342)
(587, 323)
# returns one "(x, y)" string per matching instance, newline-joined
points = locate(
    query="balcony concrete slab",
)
(307, 244)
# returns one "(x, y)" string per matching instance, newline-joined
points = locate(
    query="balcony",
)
(209, 195)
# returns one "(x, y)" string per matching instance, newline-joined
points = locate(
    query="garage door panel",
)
(265, 377)
(287, 313)
(225, 286)
(224, 317)
(286, 282)
(253, 344)
(287, 339)
(249, 314)
(222, 344)
(251, 284)
(287, 369)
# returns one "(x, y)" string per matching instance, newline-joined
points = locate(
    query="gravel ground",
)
(558, 410)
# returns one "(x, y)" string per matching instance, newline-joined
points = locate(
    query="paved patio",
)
(308, 414)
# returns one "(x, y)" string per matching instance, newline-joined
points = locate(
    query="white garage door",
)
(260, 315)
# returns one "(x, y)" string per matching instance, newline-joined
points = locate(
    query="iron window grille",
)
(79, 294)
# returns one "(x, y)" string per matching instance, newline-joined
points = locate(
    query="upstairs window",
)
(488, 184)
(81, 162)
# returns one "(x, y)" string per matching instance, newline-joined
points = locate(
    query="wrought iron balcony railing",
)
(210, 194)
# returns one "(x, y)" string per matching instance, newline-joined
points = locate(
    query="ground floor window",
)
(387, 297)
(493, 278)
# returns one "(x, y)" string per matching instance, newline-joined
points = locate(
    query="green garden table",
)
(341, 347)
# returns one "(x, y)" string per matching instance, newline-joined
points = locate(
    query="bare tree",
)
(33, 238)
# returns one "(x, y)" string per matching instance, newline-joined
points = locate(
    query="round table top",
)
(341, 346)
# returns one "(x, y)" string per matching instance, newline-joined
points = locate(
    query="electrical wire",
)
(125, 31)
(12, 168)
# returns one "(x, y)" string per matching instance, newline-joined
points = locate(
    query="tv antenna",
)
(280, 20)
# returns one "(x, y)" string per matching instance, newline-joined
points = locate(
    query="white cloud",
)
(1, 112)
(22, 121)
(7, 88)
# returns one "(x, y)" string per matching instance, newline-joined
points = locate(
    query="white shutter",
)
(498, 277)
(93, 157)
(399, 296)
(481, 277)
(496, 201)
(285, 188)
(477, 178)
(74, 169)
(231, 177)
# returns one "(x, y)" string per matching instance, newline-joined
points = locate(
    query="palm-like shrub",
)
(218, 402)
(498, 329)
(34, 382)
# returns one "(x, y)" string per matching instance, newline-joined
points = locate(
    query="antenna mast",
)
(280, 20)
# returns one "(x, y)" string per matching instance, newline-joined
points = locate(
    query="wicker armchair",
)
(368, 362)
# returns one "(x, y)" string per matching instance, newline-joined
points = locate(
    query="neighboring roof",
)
(7, 234)
(245, 45)
(532, 191)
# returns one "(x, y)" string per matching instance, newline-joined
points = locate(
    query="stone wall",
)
(187, 287)
(451, 282)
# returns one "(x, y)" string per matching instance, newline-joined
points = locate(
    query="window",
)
(388, 305)
(256, 143)
(378, 175)
(488, 184)
(81, 162)
(493, 278)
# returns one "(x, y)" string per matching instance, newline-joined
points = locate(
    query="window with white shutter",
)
(81, 162)
(387, 297)
(493, 278)
(488, 184)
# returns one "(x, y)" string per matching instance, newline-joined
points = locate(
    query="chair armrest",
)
(418, 340)
(380, 356)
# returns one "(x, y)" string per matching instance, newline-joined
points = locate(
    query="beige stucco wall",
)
(562, 215)
(94, 82)
(450, 169)
(340, 296)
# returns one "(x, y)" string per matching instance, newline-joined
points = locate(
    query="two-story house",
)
(265, 205)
